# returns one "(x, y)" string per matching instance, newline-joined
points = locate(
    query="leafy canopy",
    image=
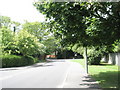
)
(88, 24)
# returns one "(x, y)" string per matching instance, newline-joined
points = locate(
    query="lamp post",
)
(14, 29)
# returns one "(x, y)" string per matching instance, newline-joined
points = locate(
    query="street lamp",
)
(14, 29)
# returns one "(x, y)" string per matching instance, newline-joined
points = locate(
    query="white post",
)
(86, 60)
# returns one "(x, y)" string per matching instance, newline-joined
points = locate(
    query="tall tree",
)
(84, 23)
(36, 28)
(42, 31)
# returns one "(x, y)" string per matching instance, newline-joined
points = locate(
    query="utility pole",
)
(86, 60)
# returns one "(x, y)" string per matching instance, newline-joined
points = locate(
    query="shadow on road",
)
(43, 65)
(27, 67)
(90, 83)
(8, 69)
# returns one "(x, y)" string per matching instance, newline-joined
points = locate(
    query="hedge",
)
(16, 61)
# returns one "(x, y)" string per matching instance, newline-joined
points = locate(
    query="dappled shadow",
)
(27, 67)
(110, 79)
(8, 69)
(41, 65)
(89, 82)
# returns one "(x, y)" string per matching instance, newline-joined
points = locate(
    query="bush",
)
(94, 56)
(94, 60)
(16, 61)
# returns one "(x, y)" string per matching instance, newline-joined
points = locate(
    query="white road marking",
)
(62, 85)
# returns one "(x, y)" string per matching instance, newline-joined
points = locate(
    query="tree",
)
(6, 39)
(28, 44)
(42, 31)
(39, 29)
(5, 21)
(86, 24)
(8, 44)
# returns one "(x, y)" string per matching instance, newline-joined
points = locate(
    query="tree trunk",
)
(86, 60)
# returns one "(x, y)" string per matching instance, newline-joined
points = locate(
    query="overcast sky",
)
(20, 10)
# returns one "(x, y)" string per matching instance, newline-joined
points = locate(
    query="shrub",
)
(16, 61)
(94, 60)
(28, 60)
(94, 56)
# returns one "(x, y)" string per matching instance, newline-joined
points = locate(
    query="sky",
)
(20, 10)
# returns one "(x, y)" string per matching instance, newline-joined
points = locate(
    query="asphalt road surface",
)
(45, 75)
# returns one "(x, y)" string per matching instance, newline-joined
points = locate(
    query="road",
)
(48, 75)
(54, 74)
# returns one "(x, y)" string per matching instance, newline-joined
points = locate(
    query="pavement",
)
(60, 74)
(78, 78)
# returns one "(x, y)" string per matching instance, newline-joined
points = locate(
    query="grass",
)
(106, 74)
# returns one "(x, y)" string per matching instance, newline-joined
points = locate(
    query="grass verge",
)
(107, 75)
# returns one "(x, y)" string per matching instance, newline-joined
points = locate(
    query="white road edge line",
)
(62, 85)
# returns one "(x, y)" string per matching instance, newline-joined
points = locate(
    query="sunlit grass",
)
(106, 74)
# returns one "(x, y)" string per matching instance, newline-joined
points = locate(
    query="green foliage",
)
(84, 24)
(37, 29)
(7, 38)
(29, 60)
(50, 43)
(116, 47)
(33, 40)
(6, 35)
(88, 24)
(16, 61)
(9, 60)
(77, 48)
(8, 42)
(12, 48)
(45, 37)
(95, 54)
(94, 57)
(28, 44)
(5, 21)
